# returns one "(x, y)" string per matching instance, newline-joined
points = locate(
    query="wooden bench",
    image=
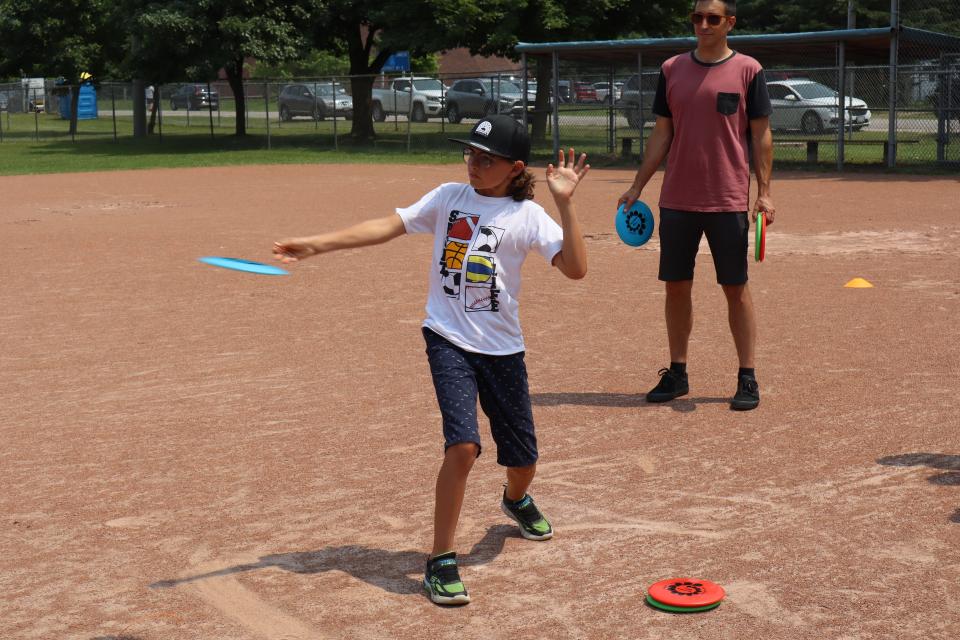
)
(813, 146)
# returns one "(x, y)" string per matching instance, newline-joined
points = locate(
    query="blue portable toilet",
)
(86, 107)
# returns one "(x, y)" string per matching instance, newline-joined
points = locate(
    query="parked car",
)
(584, 92)
(812, 107)
(427, 95)
(314, 100)
(630, 102)
(478, 97)
(564, 86)
(194, 96)
(603, 92)
(518, 80)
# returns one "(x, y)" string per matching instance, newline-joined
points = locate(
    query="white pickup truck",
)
(427, 96)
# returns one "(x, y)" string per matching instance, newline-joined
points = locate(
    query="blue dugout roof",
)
(863, 46)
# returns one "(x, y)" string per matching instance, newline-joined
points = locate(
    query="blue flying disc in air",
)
(635, 226)
(244, 265)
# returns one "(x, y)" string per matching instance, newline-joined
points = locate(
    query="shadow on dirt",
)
(935, 461)
(388, 570)
(588, 399)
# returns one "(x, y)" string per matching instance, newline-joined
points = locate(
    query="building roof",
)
(863, 46)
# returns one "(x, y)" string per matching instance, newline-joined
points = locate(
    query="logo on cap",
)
(484, 128)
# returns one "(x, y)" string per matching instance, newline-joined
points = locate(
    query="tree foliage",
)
(369, 31)
(60, 39)
(501, 24)
(773, 16)
(170, 40)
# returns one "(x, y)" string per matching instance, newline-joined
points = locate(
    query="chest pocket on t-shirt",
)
(728, 103)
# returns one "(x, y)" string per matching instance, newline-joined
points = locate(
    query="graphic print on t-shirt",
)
(480, 265)
(488, 239)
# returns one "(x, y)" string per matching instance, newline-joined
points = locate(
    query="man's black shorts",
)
(727, 233)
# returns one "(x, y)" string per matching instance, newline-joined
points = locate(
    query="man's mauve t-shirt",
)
(711, 104)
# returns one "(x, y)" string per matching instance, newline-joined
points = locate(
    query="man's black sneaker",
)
(533, 526)
(748, 394)
(672, 385)
(442, 580)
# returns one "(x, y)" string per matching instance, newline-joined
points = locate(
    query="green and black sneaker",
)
(533, 526)
(442, 580)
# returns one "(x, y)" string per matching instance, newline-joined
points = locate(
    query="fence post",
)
(892, 106)
(333, 83)
(157, 100)
(210, 106)
(409, 108)
(36, 117)
(640, 116)
(612, 129)
(842, 102)
(443, 102)
(523, 89)
(266, 103)
(555, 58)
(113, 110)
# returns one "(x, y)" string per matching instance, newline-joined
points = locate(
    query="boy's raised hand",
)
(564, 178)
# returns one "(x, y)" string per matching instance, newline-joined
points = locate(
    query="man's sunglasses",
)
(712, 19)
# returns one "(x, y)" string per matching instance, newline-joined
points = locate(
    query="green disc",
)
(666, 607)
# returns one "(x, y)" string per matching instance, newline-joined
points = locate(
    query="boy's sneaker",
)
(748, 394)
(533, 526)
(672, 385)
(442, 580)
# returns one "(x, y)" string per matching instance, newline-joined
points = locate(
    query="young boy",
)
(483, 231)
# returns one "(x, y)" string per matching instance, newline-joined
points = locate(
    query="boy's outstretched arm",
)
(563, 180)
(376, 231)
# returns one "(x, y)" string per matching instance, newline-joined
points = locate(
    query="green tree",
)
(313, 64)
(369, 31)
(59, 38)
(231, 31)
(500, 24)
(181, 39)
(776, 16)
(164, 45)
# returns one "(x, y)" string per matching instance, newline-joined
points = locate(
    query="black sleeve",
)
(758, 100)
(660, 106)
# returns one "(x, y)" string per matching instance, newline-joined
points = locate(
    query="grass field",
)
(41, 143)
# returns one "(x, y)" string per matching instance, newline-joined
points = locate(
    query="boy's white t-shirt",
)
(480, 244)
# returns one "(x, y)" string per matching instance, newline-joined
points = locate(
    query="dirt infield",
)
(189, 452)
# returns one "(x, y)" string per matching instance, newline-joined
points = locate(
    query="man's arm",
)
(762, 145)
(658, 145)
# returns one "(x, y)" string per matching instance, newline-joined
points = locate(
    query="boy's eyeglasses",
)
(485, 161)
(712, 19)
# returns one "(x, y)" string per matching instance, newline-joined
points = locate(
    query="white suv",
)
(812, 107)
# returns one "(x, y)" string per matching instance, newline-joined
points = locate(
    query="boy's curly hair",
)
(522, 186)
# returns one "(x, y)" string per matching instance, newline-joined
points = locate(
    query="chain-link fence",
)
(598, 107)
(602, 111)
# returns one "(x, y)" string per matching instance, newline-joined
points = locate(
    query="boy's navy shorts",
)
(680, 233)
(459, 376)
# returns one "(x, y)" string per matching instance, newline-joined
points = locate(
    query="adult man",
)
(712, 114)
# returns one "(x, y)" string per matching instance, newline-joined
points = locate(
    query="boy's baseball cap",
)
(499, 135)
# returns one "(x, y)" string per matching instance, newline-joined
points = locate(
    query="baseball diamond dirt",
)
(189, 452)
